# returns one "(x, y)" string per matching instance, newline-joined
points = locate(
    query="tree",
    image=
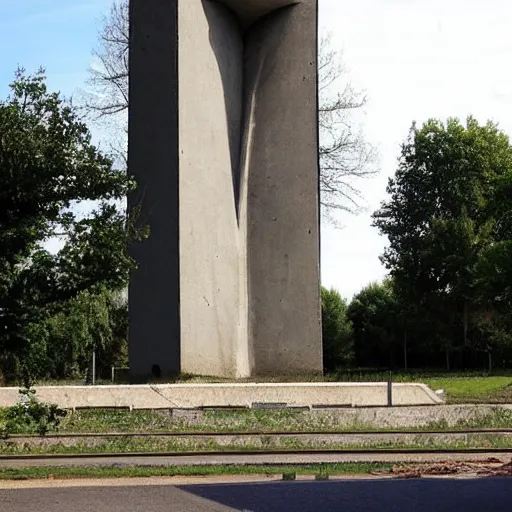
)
(441, 221)
(63, 342)
(375, 318)
(346, 156)
(494, 271)
(336, 331)
(49, 173)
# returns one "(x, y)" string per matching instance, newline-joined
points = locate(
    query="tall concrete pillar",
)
(223, 143)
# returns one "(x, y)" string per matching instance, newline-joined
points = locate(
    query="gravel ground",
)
(264, 459)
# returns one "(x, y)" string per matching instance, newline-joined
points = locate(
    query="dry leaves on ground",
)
(489, 467)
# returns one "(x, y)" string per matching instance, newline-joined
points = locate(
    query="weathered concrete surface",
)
(184, 396)
(154, 292)
(282, 193)
(224, 146)
(211, 71)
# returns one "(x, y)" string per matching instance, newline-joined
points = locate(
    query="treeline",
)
(373, 331)
(448, 219)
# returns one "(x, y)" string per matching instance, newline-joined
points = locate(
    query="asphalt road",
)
(425, 495)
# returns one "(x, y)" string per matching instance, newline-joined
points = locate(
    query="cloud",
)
(499, 96)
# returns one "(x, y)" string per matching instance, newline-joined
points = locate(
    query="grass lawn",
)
(150, 445)
(474, 389)
(138, 471)
(461, 387)
(100, 421)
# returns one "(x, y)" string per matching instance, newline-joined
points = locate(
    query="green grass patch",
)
(459, 387)
(94, 421)
(104, 421)
(254, 420)
(261, 443)
(140, 471)
(475, 389)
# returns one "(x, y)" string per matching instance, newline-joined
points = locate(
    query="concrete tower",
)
(223, 142)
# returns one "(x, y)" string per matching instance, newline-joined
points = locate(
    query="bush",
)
(31, 415)
(337, 334)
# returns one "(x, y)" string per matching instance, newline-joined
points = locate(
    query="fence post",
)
(390, 390)
(94, 367)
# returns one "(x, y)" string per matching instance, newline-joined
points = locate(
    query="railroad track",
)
(257, 457)
(256, 439)
(250, 433)
(261, 447)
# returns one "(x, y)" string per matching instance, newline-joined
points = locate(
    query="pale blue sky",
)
(416, 60)
(56, 34)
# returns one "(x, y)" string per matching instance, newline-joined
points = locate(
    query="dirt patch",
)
(489, 467)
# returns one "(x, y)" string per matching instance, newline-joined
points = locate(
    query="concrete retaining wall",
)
(185, 396)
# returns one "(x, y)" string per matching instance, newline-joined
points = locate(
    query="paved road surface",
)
(425, 495)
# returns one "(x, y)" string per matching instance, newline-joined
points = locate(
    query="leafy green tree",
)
(50, 173)
(494, 270)
(336, 331)
(440, 221)
(376, 319)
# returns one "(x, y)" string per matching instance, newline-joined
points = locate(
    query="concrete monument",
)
(223, 142)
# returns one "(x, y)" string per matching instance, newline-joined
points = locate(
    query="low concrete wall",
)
(413, 416)
(183, 396)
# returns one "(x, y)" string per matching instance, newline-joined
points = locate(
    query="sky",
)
(415, 59)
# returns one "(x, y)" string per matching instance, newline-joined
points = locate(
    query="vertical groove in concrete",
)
(282, 209)
(211, 80)
(154, 295)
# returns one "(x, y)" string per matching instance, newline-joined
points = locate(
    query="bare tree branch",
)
(105, 99)
(346, 156)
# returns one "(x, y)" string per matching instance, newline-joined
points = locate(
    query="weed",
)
(29, 414)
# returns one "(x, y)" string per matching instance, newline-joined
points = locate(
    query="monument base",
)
(246, 395)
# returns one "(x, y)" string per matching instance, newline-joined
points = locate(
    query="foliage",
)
(346, 156)
(29, 414)
(64, 341)
(447, 222)
(336, 331)
(54, 184)
(374, 315)
(343, 468)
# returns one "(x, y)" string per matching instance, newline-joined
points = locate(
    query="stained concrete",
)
(282, 202)
(188, 396)
(211, 112)
(223, 142)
